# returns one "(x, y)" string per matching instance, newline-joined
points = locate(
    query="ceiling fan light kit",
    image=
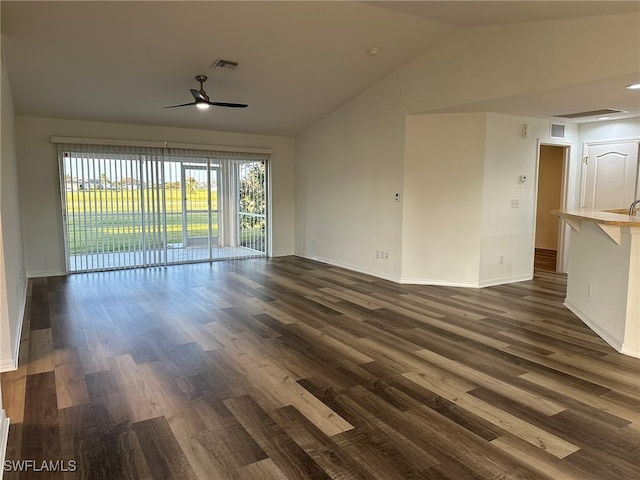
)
(201, 99)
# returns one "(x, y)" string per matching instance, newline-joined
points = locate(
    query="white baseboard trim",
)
(618, 345)
(486, 283)
(348, 266)
(8, 364)
(282, 254)
(418, 281)
(4, 436)
(631, 350)
(437, 283)
(51, 273)
(503, 280)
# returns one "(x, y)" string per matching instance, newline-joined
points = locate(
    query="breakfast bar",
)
(603, 284)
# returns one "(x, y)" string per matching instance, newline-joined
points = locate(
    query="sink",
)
(624, 211)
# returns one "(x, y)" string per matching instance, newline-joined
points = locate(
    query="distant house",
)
(130, 184)
(88, 184)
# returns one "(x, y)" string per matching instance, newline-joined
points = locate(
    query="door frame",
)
(563, 237)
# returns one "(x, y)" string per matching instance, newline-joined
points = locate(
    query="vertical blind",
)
(127, 207)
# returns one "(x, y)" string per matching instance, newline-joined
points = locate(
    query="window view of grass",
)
(101, 221)
(108, 221)
(253, 206)
(125, 205)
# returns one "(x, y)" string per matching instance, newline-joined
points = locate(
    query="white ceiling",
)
(481, 13)
(123, 61)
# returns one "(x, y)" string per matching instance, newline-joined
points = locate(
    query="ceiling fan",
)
(202, 99)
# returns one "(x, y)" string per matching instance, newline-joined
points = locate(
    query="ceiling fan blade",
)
(230, 105)
(197, 94)
(181, 105)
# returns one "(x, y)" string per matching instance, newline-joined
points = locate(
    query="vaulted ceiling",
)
(123, 61)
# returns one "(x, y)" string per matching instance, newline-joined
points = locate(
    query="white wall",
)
(478, 64)
(12, 269)
(12, 275)
(442, 212)
(40, 189)
(602, 289)
(358, 149)
(4, 422)
(349, 166)
(509, 231)
(462, 175)
(628, 128)
(598, 305)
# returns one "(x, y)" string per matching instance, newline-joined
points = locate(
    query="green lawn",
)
(103, 221)
(111, 201)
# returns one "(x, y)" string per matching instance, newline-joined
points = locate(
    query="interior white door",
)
(611, 178)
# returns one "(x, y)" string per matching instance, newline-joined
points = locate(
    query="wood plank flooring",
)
(545, 259)
(288, 368)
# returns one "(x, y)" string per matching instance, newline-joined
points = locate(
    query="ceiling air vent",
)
(557, 130)
(592, 113)
(226, 65)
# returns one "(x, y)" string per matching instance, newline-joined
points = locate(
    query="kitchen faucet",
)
(633, 206)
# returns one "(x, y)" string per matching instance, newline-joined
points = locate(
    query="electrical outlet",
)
(501, 259)
(386, 255)
(589, 289)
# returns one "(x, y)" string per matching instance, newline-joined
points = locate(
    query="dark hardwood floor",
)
(288, 368)
(545, 260)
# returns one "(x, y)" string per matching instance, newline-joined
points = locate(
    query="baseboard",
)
(282, 254)
(51, 273)
(417, 281)
(504, 280)
(631, 350)
(348, 266)
(486, 283)
(8, 364)
(4, 436)
(615, 343)
(437, 283)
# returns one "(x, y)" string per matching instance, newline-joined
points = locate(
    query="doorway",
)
(549, 244)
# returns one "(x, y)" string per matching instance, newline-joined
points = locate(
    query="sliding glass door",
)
(143, 208)
(252, 205)
(199, 204)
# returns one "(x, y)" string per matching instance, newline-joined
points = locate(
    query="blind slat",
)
(118, 212)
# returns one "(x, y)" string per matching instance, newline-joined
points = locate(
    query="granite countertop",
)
(617, 217)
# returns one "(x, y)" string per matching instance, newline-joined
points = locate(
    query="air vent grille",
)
(225, 65)
(557, 130)
(592, 113)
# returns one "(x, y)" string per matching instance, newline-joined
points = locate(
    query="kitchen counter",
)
(603, 284)
(617, 217)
